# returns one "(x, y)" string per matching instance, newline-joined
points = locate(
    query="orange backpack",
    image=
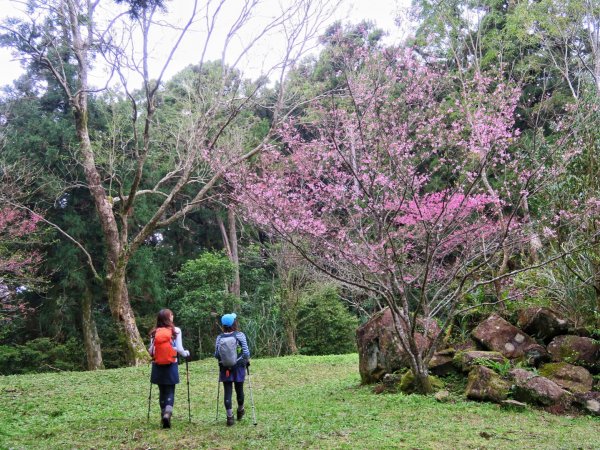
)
(164, 353)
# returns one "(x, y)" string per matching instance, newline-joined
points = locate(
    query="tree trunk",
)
(423, 381)
(418, 366)
(290, 333)
(535, 243)
(233, 242)
(115, 242)
(91, 340)
(118, 300)
(231, 247)
(596, 282)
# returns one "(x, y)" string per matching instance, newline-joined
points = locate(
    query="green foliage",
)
(325, 326)
(501, 368)
(261, 321)
(261, 312)
(147, 275)
(556, 287)
(41, 355)
(200, 288)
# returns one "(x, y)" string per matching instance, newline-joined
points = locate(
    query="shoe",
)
(240, 413)
(166, 420)
(230, 421)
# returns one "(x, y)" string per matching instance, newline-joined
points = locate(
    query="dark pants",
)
(239, 393)
(166, 395)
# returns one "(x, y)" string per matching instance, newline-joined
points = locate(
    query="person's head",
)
(164, 319)
(229, 322)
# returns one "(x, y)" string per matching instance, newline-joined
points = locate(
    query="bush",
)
(325, 326)
(199, 290)
(41, 355)
(261, 322)
(261, 305)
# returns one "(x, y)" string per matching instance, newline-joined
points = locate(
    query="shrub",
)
(325, 326)
(41, 355)
(201, 289)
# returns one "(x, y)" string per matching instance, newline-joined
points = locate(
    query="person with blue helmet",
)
(231, 350)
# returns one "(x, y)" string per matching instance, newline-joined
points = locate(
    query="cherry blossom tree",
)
(402, 186)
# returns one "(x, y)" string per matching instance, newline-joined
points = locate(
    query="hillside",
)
(301, 402)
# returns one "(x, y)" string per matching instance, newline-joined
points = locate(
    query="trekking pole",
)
(218, 392)
(187, 373)
(251, 396)
(149, 400)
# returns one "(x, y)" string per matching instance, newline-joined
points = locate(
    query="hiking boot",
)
(166, 418)
(230, 421)
(240, 413)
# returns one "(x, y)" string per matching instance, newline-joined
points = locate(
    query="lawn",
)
(301, 402)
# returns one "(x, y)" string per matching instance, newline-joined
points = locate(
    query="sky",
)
(382, 12)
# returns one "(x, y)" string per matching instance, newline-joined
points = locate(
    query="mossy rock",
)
(486, 385)
(409, 386)
(466, 360)
(577, 350)
(550, 369)
(567, 376)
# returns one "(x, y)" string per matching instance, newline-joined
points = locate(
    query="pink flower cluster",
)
(389, 183)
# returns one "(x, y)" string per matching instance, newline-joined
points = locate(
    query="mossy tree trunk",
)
(91, 340)
(419, 366)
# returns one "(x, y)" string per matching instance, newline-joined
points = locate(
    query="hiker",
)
(165, 344)
(231, 349)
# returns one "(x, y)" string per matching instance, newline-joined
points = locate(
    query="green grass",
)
(301, 402)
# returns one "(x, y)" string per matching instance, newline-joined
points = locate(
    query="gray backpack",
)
(228, 350)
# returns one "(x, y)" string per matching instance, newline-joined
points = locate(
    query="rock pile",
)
(538, 361)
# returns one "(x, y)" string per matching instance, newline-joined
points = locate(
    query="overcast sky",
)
(382, 12)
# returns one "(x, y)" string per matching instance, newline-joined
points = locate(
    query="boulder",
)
(567, 376)
(442, 396)
(579, 331)
(442, 364)
(532, 388)
(577, 350)
(379, 347)
(389, 383)
(498, 335)
(542, 323)
(450, 351)
(513, 404)
(589, 402)
(466, 360)
(520, 376)
(486, 385)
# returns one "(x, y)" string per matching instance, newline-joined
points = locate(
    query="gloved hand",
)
(247, 363)
(188, 358)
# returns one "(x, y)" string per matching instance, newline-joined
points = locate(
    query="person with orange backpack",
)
(165, 344)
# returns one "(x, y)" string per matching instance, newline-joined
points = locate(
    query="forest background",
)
(118, 201)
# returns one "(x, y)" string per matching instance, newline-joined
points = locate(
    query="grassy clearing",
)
(301, 402)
